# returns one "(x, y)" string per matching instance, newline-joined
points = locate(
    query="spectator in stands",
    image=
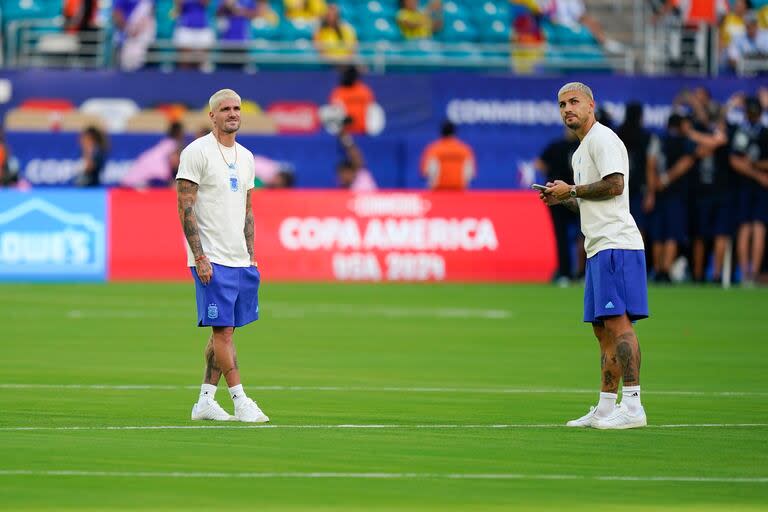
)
(749, 159)
(752, 45)
(448, 163)
(94, 147)
(234, 23)
(135, 29)
(192, 34)
(305, 10)
(527, 38)
(732, 25)
(712, 195)
(335, 39)
(80, 19)
(555, 163)
(354, 97)
(157, 166)
(9, 166)
(670, 219)
(573, 14)
(351, 172)
(418, 23)
(642, 147)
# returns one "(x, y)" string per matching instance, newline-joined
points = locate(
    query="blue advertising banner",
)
(53, 235)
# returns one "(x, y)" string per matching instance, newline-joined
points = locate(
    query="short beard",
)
(227, 130)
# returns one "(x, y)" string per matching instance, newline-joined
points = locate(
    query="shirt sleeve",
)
(606, 154)
(190, 165)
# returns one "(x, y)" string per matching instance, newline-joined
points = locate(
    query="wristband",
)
(201, 258)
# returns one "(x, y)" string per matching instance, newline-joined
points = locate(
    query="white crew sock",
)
(606, 404)
(630, 398)
(207, 391)
(237, 393)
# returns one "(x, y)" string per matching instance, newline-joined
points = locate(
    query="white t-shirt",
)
(606, 224)
(221, 196)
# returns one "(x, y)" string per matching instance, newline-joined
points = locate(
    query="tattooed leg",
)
(212, 372)
(627, 349)
(610, 371)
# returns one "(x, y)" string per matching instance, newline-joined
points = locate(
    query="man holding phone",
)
(615, 293)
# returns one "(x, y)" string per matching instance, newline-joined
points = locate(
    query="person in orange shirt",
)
(355, 97)
(448, 163)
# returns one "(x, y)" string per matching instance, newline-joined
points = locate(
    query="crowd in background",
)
(697, 190)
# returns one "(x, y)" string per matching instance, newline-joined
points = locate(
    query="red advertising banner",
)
(145, 237)
(335, 235)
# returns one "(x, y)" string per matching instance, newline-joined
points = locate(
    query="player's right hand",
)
(204, 270)
(548, 198)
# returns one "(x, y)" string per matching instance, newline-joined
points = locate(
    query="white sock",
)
(237, 393)
(606, 404)
(207, 391)
(630, 398)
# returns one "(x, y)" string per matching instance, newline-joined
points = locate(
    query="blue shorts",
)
(615, 284)
(670, 219)
(752, 203)
(230, 299)
(713, 216)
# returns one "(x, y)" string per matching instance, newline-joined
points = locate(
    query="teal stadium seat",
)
(378, 29)
(292, 30)
(30, 9)
(490, 9)
(165, 23)
(453, 10)
(458, 30)
(263, 30)
(495, 31)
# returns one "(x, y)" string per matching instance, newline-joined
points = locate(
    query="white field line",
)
(302, 310)
(501, 426)
(379, 476)
(374, 389)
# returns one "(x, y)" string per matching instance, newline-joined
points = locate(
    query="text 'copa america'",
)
(405, 234)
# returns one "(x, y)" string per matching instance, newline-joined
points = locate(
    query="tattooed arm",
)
(186, 192)
(608, 187)
(248, 230)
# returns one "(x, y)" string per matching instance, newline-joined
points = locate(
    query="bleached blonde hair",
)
(576, 86)
(219, 96)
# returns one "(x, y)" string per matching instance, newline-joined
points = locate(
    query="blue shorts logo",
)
(213, 311)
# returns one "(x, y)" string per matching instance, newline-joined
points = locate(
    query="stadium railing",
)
(43, 43)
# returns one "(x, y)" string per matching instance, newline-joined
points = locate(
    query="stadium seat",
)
(378, 29)
(453, 10)
(497, 31)
(292, 30)
(263, 30)
(458, 30)
(27, 9)
(489, 8)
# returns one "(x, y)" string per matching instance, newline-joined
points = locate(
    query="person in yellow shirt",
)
(732, 26)
(309, 10)
(335, 39)
(419, 24)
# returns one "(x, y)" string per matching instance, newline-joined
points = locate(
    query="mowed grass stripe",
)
(379, 476)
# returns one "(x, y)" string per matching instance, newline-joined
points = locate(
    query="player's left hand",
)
(559, 189)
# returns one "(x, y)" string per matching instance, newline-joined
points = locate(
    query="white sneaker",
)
(249, 412)
(585, 421)
(621, 419)
(209, 409)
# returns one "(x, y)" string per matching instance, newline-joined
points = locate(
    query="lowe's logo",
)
(39, 239)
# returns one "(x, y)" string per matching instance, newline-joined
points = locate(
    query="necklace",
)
(218, 145)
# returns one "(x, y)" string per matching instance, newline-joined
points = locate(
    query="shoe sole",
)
(229, 418)
(639, 424)
(250, 421)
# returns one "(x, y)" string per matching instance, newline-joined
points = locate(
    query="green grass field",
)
(382, 397)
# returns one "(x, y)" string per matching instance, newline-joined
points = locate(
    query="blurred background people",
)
(193, 35)
(416, 23)
(355, 98)
(94, 148)
(134, 30)
(448, 163)
(157, 166)
(670, 219)
(351, 173)
(304, 10)
(749, 159)
(555, 163)
(335, 39)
